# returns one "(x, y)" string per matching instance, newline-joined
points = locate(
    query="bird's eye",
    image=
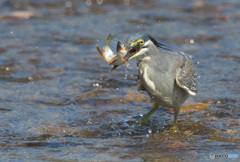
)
(141, 42)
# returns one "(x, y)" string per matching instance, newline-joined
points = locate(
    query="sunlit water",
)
(58, 101)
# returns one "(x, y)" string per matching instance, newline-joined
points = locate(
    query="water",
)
(58, 101)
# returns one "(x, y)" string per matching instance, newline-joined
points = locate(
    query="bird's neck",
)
(148, 53)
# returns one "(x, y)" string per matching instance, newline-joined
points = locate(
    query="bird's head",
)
(139, 44)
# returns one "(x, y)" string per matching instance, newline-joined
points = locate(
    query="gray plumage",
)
(168, 77)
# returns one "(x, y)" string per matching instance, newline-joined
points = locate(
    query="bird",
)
(168, 77)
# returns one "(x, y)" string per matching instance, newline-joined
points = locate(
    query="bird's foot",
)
(175, 122)
(173, 128)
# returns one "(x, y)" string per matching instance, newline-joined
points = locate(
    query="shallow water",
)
(58, 101)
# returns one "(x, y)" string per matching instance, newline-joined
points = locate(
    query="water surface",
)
(58, 101)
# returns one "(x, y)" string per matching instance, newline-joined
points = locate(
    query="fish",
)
(121, 52)
(106, 52)
(109, 56)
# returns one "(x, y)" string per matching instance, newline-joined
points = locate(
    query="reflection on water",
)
(58, 101)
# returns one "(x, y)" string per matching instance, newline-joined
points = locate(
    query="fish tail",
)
(109, 38)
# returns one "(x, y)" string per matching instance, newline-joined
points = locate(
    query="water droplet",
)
(7, 68)
(127, 2)
(199, 76)
(141, 114)
(88, 2)
(99, 2)
(125, 76)
(117, 89)
(192, 41)
(68, 4)
(126, 73)
(198, 62)
(89, 122)
(149, 131)
(95, 84)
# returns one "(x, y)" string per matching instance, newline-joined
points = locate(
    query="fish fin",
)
(126, 63)
(112, 60)
(109, 38)
(113, 68)
(101, 53)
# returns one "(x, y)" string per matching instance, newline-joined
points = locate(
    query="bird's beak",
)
(132, 49)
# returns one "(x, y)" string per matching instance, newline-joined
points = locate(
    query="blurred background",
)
(58, 101)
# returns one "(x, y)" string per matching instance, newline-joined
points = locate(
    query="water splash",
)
(68, 4)
(126, 73)
(150, 131)
(192, 41)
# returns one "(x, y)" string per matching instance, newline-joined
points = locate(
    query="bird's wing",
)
(140, 86)
(186, 76)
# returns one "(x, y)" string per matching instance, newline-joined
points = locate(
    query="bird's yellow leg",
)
(175, 122)
(145, 117)
(176, 112)
(174, 127)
